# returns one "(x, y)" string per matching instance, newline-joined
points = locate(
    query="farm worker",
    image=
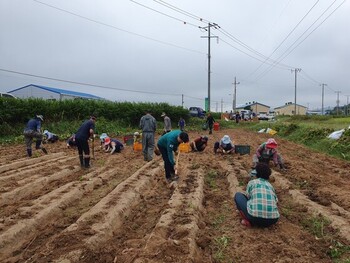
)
(182, 124)
(268, 151)
(148, 125)
(167, 144)
(137, 137)
(85, 131)
(237, 117)
(199, 144)
(167, 123)
(50, 137)
(71, 141)
(225, 145)
(113, 145)
(210, 121)
(103, 136)
(33, 130)
(258, 206)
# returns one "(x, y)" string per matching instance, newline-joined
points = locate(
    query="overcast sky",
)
(155, 50)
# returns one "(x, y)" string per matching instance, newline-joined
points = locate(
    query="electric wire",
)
(159, 12)
(120, 29)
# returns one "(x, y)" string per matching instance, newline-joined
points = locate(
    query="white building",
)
(48, 93)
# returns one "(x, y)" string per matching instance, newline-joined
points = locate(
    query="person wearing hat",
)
(268, 151)
(224, 146)
(167, 144)
(113, 145)
(210, 121)
(199, 144)
(33, 130)
(167, 123)
(82, 136)
(103, 136)
(50, 137)
(148, 125)
(258, 205)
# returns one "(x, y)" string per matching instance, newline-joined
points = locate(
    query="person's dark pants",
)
(210, 128)
(83, 147)
(241, 203)
(169, 168)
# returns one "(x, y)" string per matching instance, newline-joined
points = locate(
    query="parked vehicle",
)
(246, 114)
(263, 116)
(197, 112)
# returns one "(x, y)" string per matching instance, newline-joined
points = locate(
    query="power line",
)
(117, 28)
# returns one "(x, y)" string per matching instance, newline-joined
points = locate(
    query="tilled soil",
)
(122, 210)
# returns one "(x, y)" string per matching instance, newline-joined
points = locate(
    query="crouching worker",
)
(33, 130)
(268, 151)
(258, 206)
(167, 144)
(199, 144)
(224, 146)
(71, 141)
(113, 145)
(50, 137)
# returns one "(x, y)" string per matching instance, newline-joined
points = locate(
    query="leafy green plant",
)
(220, 243)
(316, 225)
(337, 249)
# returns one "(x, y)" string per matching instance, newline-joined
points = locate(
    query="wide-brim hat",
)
(271, 143)
(163, 114)
(103, 136)
(107, 140)
(226, 139)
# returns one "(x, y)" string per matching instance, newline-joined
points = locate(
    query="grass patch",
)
(220, 246)
(316, 225)
(210, 179)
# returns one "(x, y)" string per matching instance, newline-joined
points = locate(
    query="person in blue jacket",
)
(31, 131)
(82, 136)
(167, 144)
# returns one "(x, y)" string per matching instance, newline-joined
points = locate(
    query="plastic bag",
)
(262, 131)
(336, 135)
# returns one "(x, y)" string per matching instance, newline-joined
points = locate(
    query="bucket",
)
(137, 147)
(242, 149)
(216, 126)
(129, 141)
(184, 147)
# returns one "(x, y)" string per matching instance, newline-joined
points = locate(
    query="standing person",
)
(238, 117)
(182, 124)
(210, 121)
(224, 146)
(148, 124)
(258, 206)
(268, 151)
(85, 131)
(167, 144)
(199, 144)
(167, 123)
(33, 130)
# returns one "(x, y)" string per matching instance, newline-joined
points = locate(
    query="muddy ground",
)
(122, 210)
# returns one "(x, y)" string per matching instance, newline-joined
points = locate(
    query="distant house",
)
(255, 107)
(48, 93)
(289, 108)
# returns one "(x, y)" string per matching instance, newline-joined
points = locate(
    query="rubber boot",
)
(29, 152)
(87, 162)
(81, 158)
(37, 144)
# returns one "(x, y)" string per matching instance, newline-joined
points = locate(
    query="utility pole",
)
(216, 107)
(234, 95)
(207, 28)
(347, 104)
(222, 105)
(323, 97)
(182, 100)
(295, 89)
(337, 101)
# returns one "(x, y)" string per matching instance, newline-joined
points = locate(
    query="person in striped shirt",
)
(258, 206)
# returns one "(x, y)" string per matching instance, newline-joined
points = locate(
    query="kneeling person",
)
(199, 144)
(113, 145)
(224, 146)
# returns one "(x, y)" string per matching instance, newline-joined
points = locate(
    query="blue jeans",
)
(241, 203)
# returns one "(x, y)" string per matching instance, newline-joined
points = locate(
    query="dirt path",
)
(121, 210)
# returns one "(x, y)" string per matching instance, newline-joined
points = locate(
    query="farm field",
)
(122, 210)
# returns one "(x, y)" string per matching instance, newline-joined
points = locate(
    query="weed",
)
(221, 244)
(337, 250)
(210, 179)
(316, 225)
(219, 220)
(194, 166)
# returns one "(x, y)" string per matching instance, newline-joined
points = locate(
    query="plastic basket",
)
(129, 141)
(242, 149)
(128, 137)
(184, 147)
(137, 146)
